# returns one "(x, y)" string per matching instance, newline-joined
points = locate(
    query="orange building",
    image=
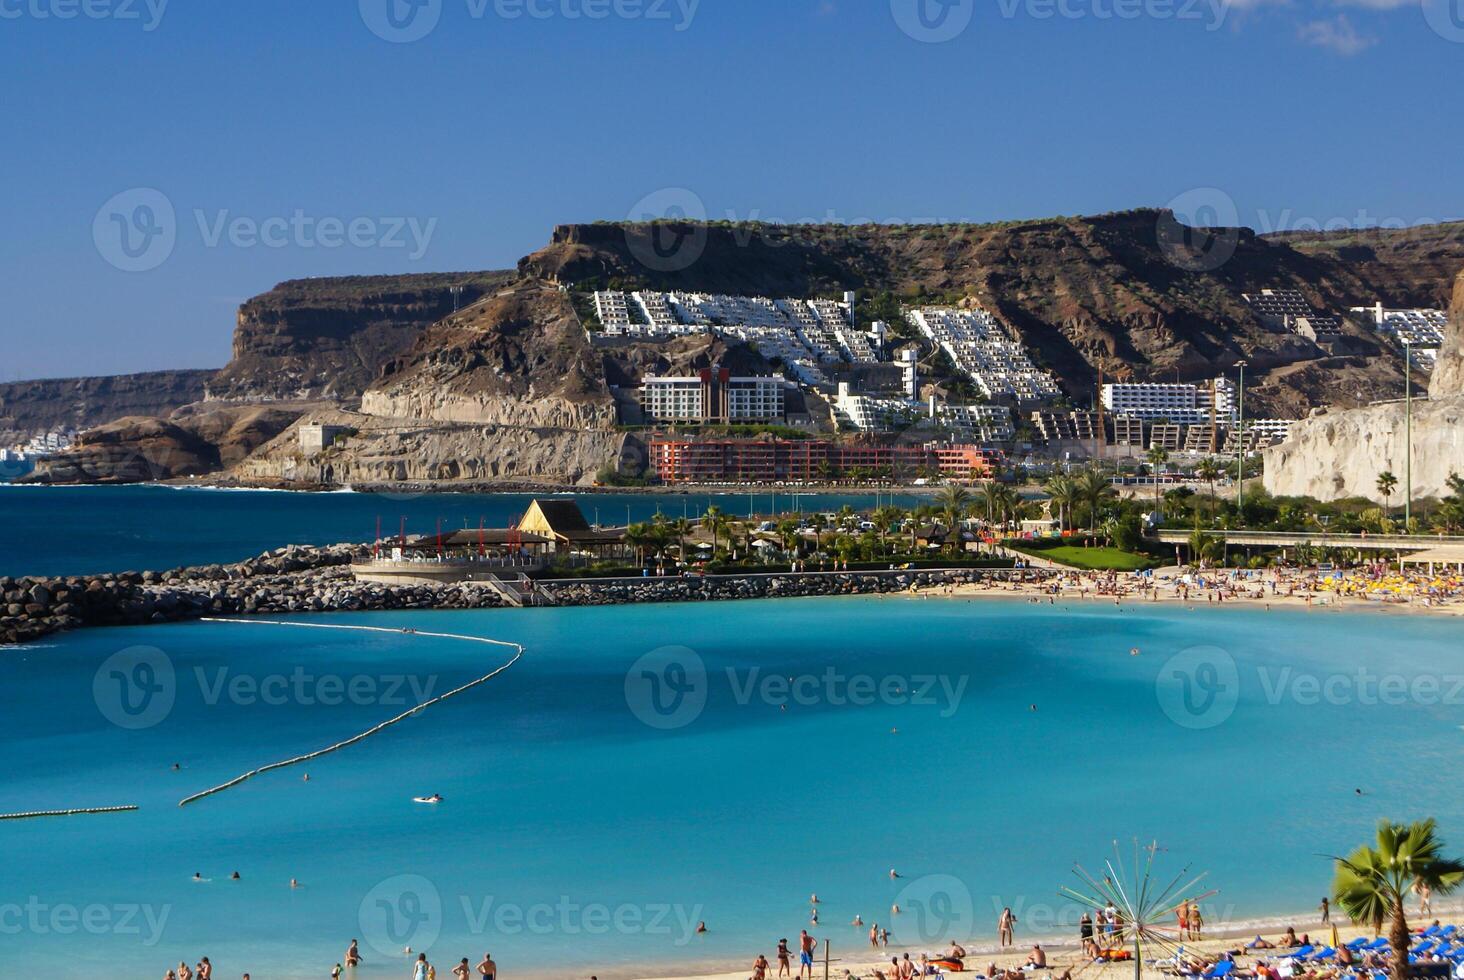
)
(806, 460)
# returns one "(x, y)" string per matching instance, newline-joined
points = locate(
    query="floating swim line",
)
(67, 813)
(518, 653)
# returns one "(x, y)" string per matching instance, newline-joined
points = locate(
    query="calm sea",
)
(646, 768)
(78, 530)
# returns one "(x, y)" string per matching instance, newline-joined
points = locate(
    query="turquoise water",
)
(559, 795)
(79, 530)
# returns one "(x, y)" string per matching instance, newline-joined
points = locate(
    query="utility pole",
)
(1408, 466)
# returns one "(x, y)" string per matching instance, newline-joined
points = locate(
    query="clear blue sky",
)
(492, 128)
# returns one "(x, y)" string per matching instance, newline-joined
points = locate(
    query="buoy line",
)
(67, 813)
(516, 647)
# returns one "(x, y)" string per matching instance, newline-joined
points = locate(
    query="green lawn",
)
(1101, 559)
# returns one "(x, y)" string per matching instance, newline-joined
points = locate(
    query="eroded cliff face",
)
(519, 358)
(191, 443)
(32, 408)
(1342, 454)
(1448, 376)
(311, 339)
(382, 451)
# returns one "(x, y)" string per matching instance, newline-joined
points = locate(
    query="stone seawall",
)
(316, 580)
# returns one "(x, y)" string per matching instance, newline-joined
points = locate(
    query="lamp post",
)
(1408, 450)
(1240, 446)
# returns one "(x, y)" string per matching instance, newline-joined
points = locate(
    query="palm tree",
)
(1157, 457)
(638, 536)
(954, 502)
(714, 520)
(683, 528)
(1387, 483)
(1063, 494)
(1209, 471)
(1093, 487)
(1373, 883)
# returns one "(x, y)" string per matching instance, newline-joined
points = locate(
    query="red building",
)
(761, 461)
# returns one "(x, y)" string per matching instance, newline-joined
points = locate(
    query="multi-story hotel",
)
(1186, 404)
(762, 461)
(713, 396)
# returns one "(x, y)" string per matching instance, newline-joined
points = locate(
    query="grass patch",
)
(1098, 558)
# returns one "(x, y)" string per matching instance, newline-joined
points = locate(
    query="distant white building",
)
(714, 396)
(969, 423)
(1422, 331)
(1185, 404)
(982, 349)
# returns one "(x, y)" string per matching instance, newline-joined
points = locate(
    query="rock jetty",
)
(301, 579)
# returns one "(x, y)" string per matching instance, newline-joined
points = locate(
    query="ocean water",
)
(80, 530)
(642, 769)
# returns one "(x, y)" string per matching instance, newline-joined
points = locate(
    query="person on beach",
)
(1197, 922)
(462, 971)
(1326, 910)
(760, 967)
(487, 969)
(419, 969)
(205, 969)
(785, 959)
(1181, 912)
(1085, 934)
(806, 946)
(874, 935)
(884, 938)
(1004, 927)
(353, 954)
(1037, 959)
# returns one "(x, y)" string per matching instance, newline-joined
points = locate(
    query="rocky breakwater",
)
(289, 580)
(787, 586)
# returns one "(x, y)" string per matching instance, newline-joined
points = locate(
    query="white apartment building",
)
(714, 396)
(982, 350)
(1187, 404)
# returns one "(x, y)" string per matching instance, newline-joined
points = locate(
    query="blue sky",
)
(237, 144)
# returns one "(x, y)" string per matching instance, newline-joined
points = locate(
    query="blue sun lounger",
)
(1221, 969)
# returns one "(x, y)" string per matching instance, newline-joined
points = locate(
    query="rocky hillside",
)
(329, 338)
(32, 408)
(190, 443)
(519, 357)
(1131, 294)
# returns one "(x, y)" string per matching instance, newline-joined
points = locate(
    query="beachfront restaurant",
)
(563, 523)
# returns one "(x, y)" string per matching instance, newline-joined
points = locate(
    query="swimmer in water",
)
(234, 876)
(894, 874)
(294, 883)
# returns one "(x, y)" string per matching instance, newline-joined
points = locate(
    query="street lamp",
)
(1408, 451)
